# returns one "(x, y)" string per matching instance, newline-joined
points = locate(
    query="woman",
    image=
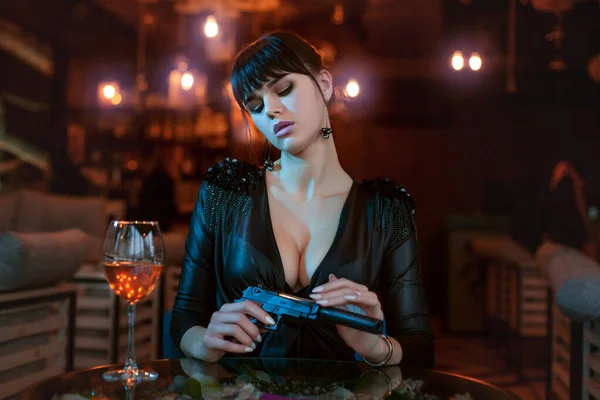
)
(299, 225)
(565, 220)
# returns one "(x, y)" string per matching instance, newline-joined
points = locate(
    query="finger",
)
(217, 343)
(249, 308)
(234, 331)
(241, 320)
(339, 283)
(368, 299)
(334, 293)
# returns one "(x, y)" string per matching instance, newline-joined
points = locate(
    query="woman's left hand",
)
(341, 292)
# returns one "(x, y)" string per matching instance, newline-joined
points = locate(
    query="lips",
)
(282, 128)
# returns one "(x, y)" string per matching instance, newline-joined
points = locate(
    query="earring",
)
(268, 164)
(326, 132)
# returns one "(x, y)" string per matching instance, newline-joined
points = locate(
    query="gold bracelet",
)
(389, 355)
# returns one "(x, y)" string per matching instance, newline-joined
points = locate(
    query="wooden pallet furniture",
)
(465, 312)
(575, 358)
(36, 335)
(101, 325)
(516, 299)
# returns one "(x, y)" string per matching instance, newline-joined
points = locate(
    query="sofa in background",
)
(46, 238)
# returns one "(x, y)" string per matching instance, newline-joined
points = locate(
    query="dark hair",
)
(272, 56)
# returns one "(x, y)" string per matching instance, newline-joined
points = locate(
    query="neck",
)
(313, 172)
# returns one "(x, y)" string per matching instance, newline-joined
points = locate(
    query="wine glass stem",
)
(130, 363)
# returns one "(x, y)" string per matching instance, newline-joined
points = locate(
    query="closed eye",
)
(287, 90)
(256, 109)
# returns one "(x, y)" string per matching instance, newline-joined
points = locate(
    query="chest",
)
(304, 232)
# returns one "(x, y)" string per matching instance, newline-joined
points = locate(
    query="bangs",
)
(268, 58)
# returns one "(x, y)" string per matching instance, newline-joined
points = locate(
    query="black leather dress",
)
(231, 245)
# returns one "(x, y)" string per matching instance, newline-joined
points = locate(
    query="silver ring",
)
(387, 379)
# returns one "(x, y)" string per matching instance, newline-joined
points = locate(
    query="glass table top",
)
(267, 379)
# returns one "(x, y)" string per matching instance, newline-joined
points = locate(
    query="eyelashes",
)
(259, 107)
(287, 90)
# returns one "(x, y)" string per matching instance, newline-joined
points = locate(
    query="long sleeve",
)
(195, 301)
(403, 297)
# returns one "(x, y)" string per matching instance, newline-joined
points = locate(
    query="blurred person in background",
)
(157, 195)
(565, 214)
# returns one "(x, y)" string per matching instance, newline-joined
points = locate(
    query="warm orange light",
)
(116, 99)
(457, 61)
(475, 62)
(132, 165)
(187, 81)
(211, 28)
(109, 91)
(352, 88)
(338, 14)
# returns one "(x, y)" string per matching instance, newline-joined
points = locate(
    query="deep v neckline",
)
(279, 261)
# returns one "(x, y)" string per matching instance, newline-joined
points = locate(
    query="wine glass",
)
(133, 263)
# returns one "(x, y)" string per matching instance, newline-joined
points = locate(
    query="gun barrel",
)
(350, 319)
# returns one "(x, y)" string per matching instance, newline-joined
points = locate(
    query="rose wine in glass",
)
(133, 264)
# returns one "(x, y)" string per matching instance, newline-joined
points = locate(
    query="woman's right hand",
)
(231, 331)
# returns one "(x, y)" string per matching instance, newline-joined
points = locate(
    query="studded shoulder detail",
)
(394, 209)
(229, 185)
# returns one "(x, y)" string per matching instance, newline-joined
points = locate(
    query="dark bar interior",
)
(471, 128)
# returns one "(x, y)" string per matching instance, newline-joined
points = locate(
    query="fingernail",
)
(350, 297)
(322, 301)
(259, 338)
(318, 289)
(249, 349)
(253, 345)
(315, 296)
(270, 321)
(331, 277)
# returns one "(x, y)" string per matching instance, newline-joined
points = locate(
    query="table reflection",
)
(296, 379)
(267, 379)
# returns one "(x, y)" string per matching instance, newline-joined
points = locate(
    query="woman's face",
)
(290, 111)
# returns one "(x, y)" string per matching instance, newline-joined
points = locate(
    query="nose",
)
(273, 106)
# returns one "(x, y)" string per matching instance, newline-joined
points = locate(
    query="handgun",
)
(282, 305)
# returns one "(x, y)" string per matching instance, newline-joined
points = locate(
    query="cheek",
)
(262, 123)
(291, 103)
(300, 102)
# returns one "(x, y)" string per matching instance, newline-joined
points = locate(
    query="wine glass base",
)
(128, 376)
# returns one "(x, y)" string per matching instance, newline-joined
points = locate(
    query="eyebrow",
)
(274, 81)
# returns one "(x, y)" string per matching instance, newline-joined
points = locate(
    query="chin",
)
(293, 145)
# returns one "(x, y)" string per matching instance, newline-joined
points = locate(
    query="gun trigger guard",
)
(265, 326)
(272, 327)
